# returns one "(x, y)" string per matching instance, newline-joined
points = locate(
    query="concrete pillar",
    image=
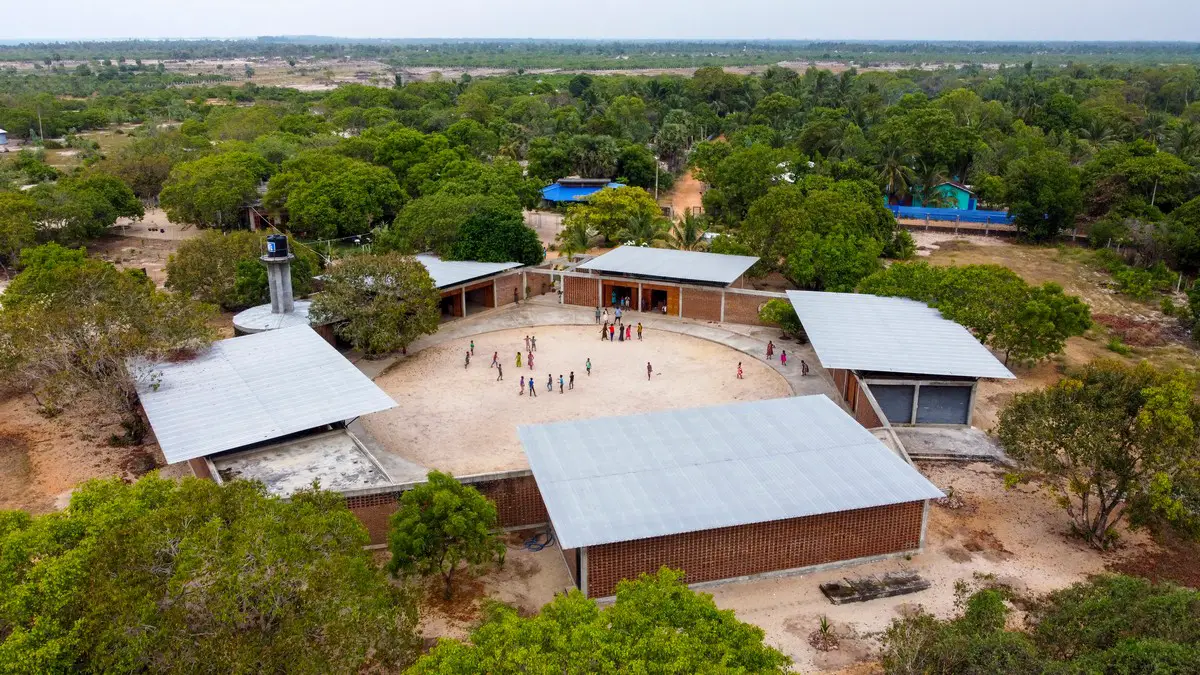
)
(722, 306)
(495, 295)
(462, 292)
(639, 296)
(583, 575)
(681, 302)
(599, 292)
(279, 285)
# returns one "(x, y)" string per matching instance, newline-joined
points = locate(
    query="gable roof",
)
(665, 263)
(623, 478)
(556, 192)
(254, 388)
(856, 331)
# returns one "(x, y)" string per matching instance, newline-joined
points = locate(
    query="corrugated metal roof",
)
(665, 263)
(451, 272)
(255, 388)
(573, 193)
(623, 478)
(856, 331)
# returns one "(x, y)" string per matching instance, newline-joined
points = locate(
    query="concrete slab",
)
(965, 444)
(334, 458)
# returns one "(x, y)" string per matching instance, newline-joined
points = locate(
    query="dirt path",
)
(686, 195)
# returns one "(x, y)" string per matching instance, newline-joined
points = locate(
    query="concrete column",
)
(495, 295)
(722, 306)
(583, 575)
(639, 296)
(463, 297)
(681, 302)
(279, 285)
(599, 292)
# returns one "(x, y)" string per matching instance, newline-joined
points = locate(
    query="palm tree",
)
(576, 238)
(1186, 141)
(1099, 132)
(895, 174)
(644, 230)
(928, 178)
(687, 234)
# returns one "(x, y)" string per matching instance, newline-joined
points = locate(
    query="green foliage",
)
(431, 223)
(77, 209)
(1141, 283)
(18, 226)
(223, 269)
(441, 525)
(195, 577)
(608, 212)
(72, 326)
(350, 200)
(1110, 624)
(1026, 322)
(211, 191)
(381, 303)
(780, 313)
(656, 624)
(1103, 436)
(1181, 232)
(1043, 194)
(1116, 345)
(497, 234)
(835, 262)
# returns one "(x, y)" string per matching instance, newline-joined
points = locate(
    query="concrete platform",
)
(963, 444)
(335, 458)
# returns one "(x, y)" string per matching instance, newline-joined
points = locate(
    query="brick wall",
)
(702, 304)
(539, 282)
(730, 552)
(742, 308)
(518, 500)
(504, 287)
(374, 512)
(581, 291)
(864, 413)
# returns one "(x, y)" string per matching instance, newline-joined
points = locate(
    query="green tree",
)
(350, 201)
(1043, 194)
(781, 314)
(1041, 324)
(18, 229)
(441, 525)
(223, 269)
(738, 180)
(1102, 437)
(78, 209)
(381, 303)
(688, 233)
(643, 230)
(833, 262)
(497, 234)
(656, 624)
(1181, 234)
(193, 577)
(576, 238)
(211, 191)
(594, 156)
(431, 223)
(72, 326)
(609, 211)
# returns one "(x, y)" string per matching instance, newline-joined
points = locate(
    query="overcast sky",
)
(610, 19)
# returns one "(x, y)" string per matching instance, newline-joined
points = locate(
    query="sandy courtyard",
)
(463, 421)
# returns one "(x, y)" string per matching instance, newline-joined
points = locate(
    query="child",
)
(468, 361)
(495, 359)
(649, 370)
(770, 349)
(533, 341)
(589, 366)
(628, 332)
(783, 357)
(522, 385)
(571, 384)
(532, 388)
(560, 384)
(611, 330)
(549, 382)
(803, 368)
(518, 359)
(639, 330)
(499, 372)
(597, 315)
(740, 370)
(526, 343)
(472, 348)
(531, 360)
(620, 336)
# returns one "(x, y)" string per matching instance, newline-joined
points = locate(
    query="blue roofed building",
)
(574, 189)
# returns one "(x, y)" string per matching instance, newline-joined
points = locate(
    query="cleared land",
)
(463, 421)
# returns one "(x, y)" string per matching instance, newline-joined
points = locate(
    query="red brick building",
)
(723, 492)
(468, 286)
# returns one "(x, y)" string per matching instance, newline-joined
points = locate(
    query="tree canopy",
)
(655, 624)
(379, 302)
(224, 269)
(195, 577)
(497, 234)
(211, 191)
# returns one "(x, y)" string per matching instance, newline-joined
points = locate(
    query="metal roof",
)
(254, 388)
(856, 331)
(665, 263)
(573, 193)
(622, 478)
(452, 272)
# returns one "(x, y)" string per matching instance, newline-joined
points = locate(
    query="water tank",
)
(277, 246)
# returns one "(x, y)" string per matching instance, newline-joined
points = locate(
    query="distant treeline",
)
(609, 54)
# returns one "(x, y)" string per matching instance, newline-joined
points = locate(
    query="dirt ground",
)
(463, 421)
(143, 244)
(1018, 536)
(686, 194)
(42, 459)
(527, 580)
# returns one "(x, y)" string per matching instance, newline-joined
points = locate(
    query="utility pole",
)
(41, 133)
(656, 178)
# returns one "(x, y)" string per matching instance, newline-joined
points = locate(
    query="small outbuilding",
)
(273, 406)
(724, 492)
(648, 279)
(575, 189)
(896, 358)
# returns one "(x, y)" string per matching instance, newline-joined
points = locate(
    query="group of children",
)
(782, 359)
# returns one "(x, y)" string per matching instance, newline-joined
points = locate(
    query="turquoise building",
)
(957, 196)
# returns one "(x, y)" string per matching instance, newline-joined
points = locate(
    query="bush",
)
(780, 313)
